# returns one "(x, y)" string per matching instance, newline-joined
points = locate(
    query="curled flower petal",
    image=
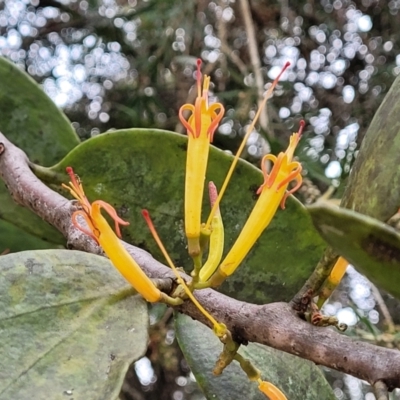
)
(100, 231)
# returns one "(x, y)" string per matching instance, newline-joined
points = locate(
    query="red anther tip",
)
(145, 214)
(284, 68)
(301, 127)
(198, 76)
(69, 170)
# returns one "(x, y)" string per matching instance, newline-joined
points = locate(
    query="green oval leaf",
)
(373, 187)
(299, 379)
(31, 120)
(139, 168)
(69, 326)
(370, 245)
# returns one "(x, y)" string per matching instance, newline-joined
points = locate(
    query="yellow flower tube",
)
(120, 257)
(272, 193)
(333, 280)
(101, 232)
(201, 125)
(216, 247)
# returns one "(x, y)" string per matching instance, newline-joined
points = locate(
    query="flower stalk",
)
(333, 280)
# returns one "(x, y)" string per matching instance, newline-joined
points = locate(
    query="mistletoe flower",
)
(200, 126)
(100, 231)
(273, 192)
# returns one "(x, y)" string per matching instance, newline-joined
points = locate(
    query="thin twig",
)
(225, 48)
(255, 60)
(388, 320)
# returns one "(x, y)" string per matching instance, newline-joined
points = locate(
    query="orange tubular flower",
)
(101, 232)
(272, 193)
(201, 125)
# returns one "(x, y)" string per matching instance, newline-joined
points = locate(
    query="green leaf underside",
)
(69, 326)
(373, 187)
(370, 245)
(139, 168)
(15, 239)
(31, 120)
(297, 378)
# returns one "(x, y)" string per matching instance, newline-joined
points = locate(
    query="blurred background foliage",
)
(112, 64)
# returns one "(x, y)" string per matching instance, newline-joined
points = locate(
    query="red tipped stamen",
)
(73, 177)
(197, 117)
(149, 222)
(285, 67)
(198, 76)
(301, 127)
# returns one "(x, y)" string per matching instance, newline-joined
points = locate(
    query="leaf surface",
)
(373, 186)
(31, 120)
(373, 247)
(69, 326)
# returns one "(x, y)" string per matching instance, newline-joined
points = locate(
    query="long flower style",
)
(101, 232)
(273, 192)
(201, 125)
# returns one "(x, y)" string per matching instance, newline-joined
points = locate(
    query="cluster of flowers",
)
(201, 126)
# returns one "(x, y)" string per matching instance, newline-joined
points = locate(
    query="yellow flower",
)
(101, 232)
(272, 193)
(201, 125)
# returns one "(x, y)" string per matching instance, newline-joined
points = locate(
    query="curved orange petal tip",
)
(113, 214)
(76, 189)
(203, 119)
(284, 170)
